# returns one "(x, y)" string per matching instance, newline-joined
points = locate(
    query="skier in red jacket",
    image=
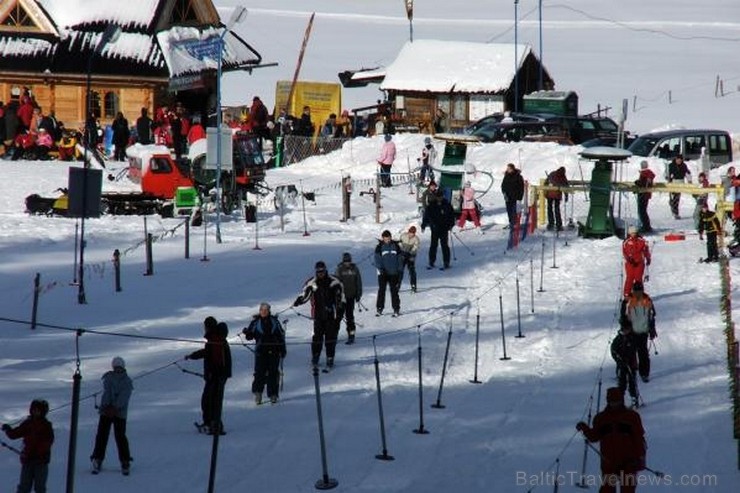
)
(622, 437)
(38, 436)
(636, 255)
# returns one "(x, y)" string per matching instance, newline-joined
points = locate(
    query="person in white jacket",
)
(409, 244)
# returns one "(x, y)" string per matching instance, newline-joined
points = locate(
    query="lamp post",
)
(110, 35)
(237, 16)
(539, 85)
(516, 56)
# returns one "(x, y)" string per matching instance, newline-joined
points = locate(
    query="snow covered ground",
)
(502, 435)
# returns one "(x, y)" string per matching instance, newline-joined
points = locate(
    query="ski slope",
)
(501, 435)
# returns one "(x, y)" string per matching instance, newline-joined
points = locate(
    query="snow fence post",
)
(117, 269)
(477, 338)
(438, 404)
(384, 455)
(542, 265)
(518, 307)
(503, 332)
(554, 250)
(36, 290)
(420, 430)
(149, 260)
(325, 483)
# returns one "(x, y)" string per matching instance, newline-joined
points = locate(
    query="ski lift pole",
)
(542, 266)
(74, 272)
(303, 206)
(518, 307)
(325, 483)
(554, 250)
(205, 235)
(36, 290)
(557, 476)
(531, 282)
(384, 455)
(438, 404)
(420, 430)
(477, 338)
(582, 482)
(503, 332)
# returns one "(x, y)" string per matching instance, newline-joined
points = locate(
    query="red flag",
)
(410, 9)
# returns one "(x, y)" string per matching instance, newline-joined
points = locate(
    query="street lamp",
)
(237, 16)
(516, 56)
(110, 35)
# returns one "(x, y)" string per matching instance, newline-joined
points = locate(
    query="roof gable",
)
(454, 66)
(24, 16)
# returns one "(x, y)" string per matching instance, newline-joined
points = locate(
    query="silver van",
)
(717, 145)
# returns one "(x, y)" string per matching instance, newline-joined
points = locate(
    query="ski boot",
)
(97, 464)
(258, 398)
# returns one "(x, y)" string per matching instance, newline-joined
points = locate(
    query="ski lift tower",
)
(600, 221)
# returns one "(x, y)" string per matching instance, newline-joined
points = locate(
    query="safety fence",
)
(294, 148)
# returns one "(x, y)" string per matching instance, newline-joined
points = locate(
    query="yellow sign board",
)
(323, 98)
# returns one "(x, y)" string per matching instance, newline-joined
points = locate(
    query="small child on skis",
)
(709, 224)
(624, 353)
(38, 436)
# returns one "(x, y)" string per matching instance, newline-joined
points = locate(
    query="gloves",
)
(297, 301)
(580, 426)
(248, 334)
(358, 300)
(647, 261)
(652, 333)
(6, 427)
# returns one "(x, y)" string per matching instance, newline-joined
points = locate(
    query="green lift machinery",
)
(600, 222)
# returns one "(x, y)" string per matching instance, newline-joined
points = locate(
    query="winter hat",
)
(387, 137)
(39, 404)
(643, 164)
(118, 362)
(320, 266)
(346, 257)
(427, 140)
(210, 323)
(412, 229)
(632, 230)
(637, 286)
(264, 304)
(386, 234)
(614, 394)
(467, 183)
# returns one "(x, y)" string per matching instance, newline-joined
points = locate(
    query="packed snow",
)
(507, 434)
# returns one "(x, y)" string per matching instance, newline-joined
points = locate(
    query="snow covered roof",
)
(125, 13)
(189, 49)
(453, 66)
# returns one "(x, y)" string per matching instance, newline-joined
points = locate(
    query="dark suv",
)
(531, 131)
(584, 128)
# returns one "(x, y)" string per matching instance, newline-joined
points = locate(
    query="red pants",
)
(472, 214)
(632, 273)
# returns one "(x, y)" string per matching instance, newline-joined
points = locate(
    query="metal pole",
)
(542, 266)
(205, 235)
(34, 310)
(325, 483)
(540, 85)
(477, 338)
(503, 333)
(187, 238)
(554, 253)
(149, 260)
(518, 308)
(377, 198)
(420, 430)
(117, 268)
(384, 455)
(531, 282)
(218, 134)
(516, 55)
(438, 404)
(74, 269)
(303, 205)
(81, 298)
(582, 482)
(256, 230)
(74, 419)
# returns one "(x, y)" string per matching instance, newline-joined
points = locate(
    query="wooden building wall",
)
(67, 99)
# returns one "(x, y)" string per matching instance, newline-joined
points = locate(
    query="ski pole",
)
(470, 250)
(10, 447)
(659, 474)
(655, 347)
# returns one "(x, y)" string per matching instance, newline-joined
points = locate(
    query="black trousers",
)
(642, 213)
(712, 252)
(409, 263)
(394, 281)
(440, 238)
(553, 214)
(643, 354)
(511, 212)
(349, 315)
(266, 372)
(385, 175)
(211, 400)
(325, 333)
(626, 378)
(101, 438)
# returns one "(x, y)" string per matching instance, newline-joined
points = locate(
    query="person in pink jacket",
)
(385, 160)
(468, 207)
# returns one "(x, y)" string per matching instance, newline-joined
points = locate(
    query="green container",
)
(454, 155)
(186, 197)
(600, 222)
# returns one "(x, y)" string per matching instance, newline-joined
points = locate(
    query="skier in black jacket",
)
(389, 261)
(512, 187)
(216, 357)
(266, 329)
(327, 307)
(440, 218)
(348, 273)
(624, 352)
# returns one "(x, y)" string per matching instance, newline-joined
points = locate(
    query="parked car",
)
(584, 128)
(532, 131)
(498, 117)
(608, 141)
(717, 145)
